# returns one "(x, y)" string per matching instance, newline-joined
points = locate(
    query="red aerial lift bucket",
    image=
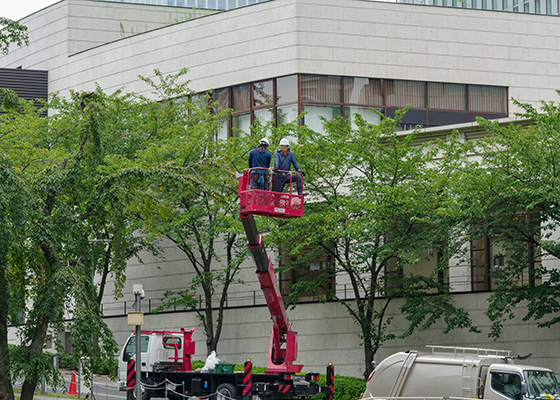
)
(266, 202)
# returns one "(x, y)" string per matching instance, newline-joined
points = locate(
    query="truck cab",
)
(459, 372)
(160, 351)
(518, 382)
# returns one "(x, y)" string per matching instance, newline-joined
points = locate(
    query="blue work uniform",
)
(284, 162)
(259, 177)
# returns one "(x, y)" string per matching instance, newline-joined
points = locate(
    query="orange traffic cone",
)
(72, 389)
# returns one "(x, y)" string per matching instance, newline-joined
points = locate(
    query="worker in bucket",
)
(283, 160)
(259, 158)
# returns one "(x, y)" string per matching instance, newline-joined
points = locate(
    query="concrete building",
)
(275, 59)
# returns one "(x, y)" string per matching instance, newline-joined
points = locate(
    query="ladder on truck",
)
(475, 352)
(403, 373)
(468, 354)
(467, 378)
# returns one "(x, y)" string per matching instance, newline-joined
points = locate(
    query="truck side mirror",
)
(524, 388)
(127, 356)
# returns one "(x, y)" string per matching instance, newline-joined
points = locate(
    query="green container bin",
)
(225, 368)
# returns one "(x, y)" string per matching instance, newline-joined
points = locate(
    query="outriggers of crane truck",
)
(172, 377)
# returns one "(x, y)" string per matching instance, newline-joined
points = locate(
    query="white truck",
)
(160, 351)
(459, 372)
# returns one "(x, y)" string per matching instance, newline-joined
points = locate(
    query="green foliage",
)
(510, 195)
(106, 366)
(378, 203)
(67, 361)
(12, 32)
(345, 387)
(76, 172)
(33, 366)
(193, 201)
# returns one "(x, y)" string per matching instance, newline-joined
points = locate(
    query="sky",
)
(17, 9)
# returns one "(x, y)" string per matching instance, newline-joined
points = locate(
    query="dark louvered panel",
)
(28, 84)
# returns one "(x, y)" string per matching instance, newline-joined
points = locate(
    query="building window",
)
(282, 100)
(316, 113)
(263, 93)
(287, 89)
(313, 270)
(241, 104)
(488, 99)
(491, 254)
(402, 93)
(321, 89)
(221, 100)
(364, 91)
(447, 96)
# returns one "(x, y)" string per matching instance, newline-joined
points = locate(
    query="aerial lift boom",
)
(283, 343)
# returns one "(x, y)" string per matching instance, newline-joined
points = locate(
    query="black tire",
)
(146, 393)
(226, 391)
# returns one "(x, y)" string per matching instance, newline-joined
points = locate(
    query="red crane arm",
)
(280, 359)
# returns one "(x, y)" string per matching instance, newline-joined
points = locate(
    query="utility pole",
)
(137, 318)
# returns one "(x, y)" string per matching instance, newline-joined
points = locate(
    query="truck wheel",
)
(147, 393)
(226, 391)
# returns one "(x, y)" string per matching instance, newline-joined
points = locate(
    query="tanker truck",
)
(460, 372)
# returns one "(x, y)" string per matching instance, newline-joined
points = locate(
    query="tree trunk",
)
(6, 389)
(209, 321)
(369, 353)
(35, 349)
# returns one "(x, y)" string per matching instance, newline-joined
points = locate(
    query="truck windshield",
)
(542, 385)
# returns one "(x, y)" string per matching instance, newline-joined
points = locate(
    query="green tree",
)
(12, 32)
(375, 206)
(70, 165)
(197, 214)
(12, 233)
(510, 195)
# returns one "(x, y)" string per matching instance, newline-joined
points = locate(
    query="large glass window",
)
(314, 265)
(221, 100)
(490, 99)
(401, 93)
(479, 265)
(321, 89)
(364, 91)
(326, 97)
(241, 102)
(241, 124)
(366, 113)
(263, 93)
(286, 114)
(447, 96)
(316, 113)
(241, 97)
(264, 115)
(286, 89)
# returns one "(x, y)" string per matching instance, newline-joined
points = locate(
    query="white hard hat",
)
(264, 141)
(284, 142)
